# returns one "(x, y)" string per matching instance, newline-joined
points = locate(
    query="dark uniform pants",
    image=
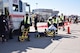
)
(56, 27)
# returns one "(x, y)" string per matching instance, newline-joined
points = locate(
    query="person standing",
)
(26, 23)
(62, 18)
(3, 27)
(10, 26)
(59, 22)
(55, 22)
(76, 20)
(35, 22)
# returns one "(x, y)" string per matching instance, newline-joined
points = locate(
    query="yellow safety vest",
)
(62, 17)
(28, 20)
(49, 22)
(59, 20)
(55, 20)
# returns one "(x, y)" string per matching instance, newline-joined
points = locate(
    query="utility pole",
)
(36, 5)
(29, 7)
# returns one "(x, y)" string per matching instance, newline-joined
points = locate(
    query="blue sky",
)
(67, 7)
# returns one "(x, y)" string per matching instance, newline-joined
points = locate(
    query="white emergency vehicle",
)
(16, 9)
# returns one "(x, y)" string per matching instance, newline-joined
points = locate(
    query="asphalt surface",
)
(62, 43)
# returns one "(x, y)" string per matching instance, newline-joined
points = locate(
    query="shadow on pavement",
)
(13, 46)
(60, 36)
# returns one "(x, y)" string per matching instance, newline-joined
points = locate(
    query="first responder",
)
(63, 20)
(10, 25)
(55, 22)
(49, 21)
(59, 22)
(27, 23)
(76, 20)
(35, 22)
(3, 27)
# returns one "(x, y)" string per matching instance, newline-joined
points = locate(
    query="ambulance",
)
(16, 9)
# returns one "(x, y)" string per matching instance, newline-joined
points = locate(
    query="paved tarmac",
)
(62, 43)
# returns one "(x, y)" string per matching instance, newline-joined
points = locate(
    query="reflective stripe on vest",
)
(28, 20)
(24, 19)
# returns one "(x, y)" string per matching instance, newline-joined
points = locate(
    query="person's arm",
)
(21, 24)
(6, 24)
(30, 22)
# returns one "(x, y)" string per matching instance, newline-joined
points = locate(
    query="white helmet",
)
(50, 18)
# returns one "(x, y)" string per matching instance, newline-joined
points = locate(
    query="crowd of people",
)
(6, 27)
(57, 21)
(6, 24)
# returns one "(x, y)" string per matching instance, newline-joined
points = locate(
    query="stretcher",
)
(51, 31)
(24, 35)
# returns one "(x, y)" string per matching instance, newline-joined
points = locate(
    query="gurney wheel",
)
(20, 38)
(53, 34)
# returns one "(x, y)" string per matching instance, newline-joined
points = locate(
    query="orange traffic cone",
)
(68, 30)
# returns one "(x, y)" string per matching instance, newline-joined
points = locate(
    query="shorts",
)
(60, 24)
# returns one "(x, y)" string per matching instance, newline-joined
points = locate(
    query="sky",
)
(67, 7)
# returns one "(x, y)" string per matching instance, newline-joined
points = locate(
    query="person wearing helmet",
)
(55, 22)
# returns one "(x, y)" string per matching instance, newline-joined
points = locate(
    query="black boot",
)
(28, 39)
(63, 29)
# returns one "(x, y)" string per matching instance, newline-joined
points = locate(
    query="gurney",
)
(51, 31)
(24, 35)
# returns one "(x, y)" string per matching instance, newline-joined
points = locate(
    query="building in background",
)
(44, 14)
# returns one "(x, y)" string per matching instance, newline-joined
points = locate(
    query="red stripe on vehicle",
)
(17, 16)
(42, 26)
